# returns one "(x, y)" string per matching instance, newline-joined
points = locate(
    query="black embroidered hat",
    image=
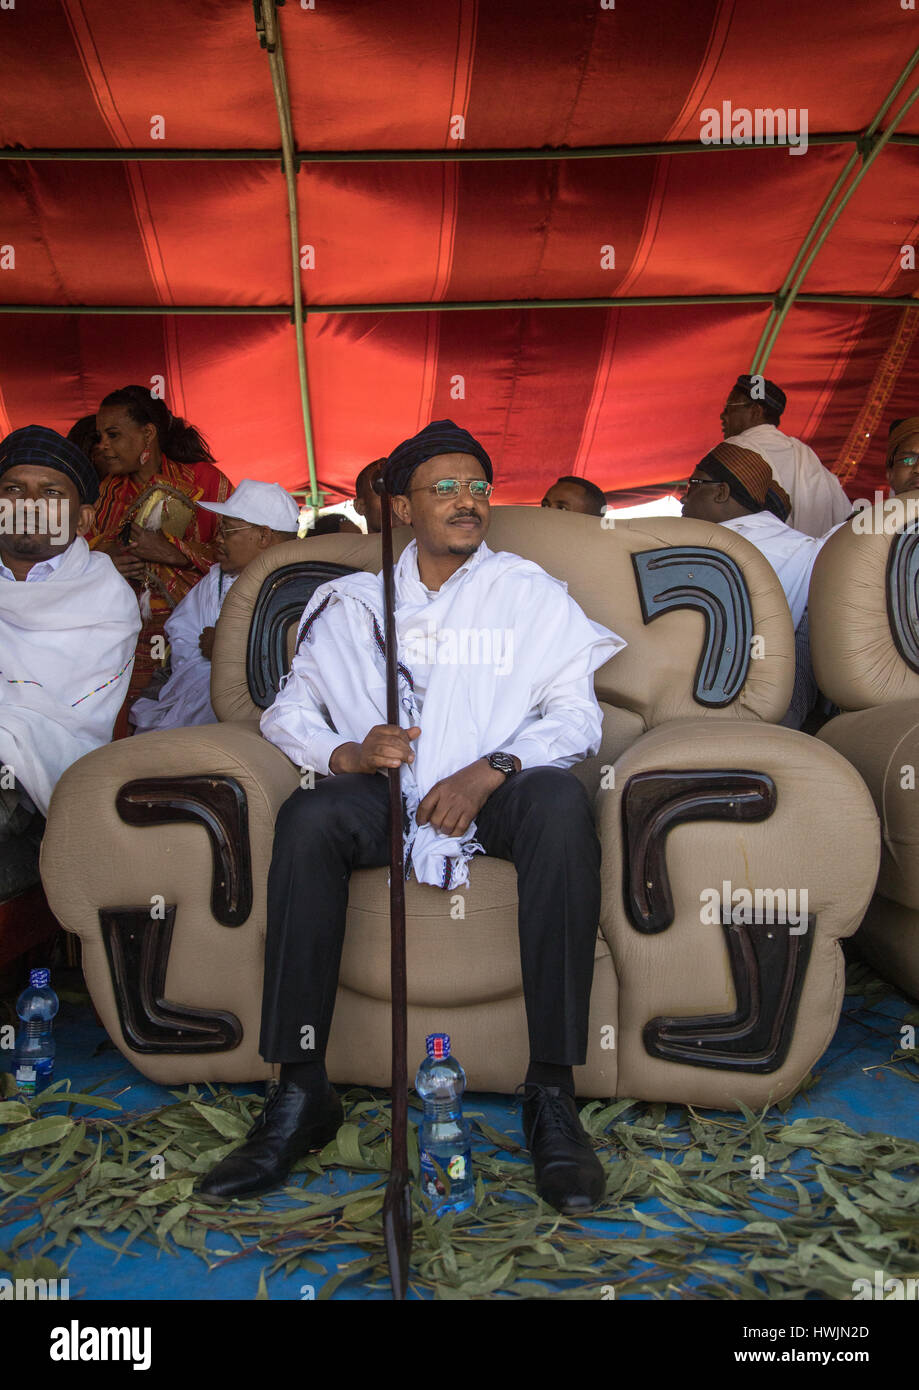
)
(766, 392)
(440, 437)
(37, 445)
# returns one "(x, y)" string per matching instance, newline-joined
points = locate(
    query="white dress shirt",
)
(40, 570)
(790, 554)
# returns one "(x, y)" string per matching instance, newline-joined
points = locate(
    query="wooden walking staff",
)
(397, 1203)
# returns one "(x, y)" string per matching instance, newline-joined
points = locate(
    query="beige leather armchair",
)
(865, 648)
(158, 847)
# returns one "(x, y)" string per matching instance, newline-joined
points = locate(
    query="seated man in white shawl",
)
(68, 621)
(483, 747)
(257, 517)
(750, 419)
(735, 487)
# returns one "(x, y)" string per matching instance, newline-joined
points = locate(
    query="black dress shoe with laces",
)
(569, 1176)
(293, 1122)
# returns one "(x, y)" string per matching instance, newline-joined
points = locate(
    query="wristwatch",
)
(502, 762)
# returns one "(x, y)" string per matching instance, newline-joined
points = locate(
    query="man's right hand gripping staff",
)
(385, 746)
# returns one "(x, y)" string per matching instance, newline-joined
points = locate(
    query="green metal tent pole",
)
(879, 300)
(788, 292)
(802, 250)
(463, 155)
(407, 307)
(152, 310)
(151, 156)
(270, 36)
(828, 227)
(458, 306)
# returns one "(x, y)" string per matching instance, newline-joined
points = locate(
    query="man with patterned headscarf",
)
(484, 743)
(735, 488)
(750, 419)
(68, 621)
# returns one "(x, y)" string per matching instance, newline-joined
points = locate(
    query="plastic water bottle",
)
(444, 1140)
(33, 1059)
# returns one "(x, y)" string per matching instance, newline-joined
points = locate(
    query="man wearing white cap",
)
(256, 517)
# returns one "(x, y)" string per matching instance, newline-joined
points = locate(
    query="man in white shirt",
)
(68, 621)
(257, 517)
(750, 419)
(735, 487)
(496, 692)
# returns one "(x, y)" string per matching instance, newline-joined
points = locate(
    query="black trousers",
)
(540, 819)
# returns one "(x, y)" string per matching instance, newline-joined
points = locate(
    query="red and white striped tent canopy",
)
(575, 165)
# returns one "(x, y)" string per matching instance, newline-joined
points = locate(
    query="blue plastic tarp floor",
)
(852, 1086)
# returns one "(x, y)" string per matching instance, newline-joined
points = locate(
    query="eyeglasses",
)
(452, 487)
(231, 530)
(698, 482)
(907, 461)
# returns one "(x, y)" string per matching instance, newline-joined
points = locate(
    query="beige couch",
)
(158, 847)
(865, 648)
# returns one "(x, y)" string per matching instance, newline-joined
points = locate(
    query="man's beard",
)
(469, 548)
(31, 546)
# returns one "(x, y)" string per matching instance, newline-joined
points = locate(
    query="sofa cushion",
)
(821, 837)
(451, 959)
(883, 744)
(857, 660)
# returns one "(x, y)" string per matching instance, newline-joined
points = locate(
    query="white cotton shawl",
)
(185, 698)
(537, 636)
(66, 652)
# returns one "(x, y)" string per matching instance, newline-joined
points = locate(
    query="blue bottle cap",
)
(39, 979)
(438, 1046)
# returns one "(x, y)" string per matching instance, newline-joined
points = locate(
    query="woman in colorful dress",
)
(147, 519)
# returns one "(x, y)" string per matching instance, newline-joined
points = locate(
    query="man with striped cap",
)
(735, 488)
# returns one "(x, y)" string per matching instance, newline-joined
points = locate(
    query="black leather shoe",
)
(569, 1176)
(292, 1122)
